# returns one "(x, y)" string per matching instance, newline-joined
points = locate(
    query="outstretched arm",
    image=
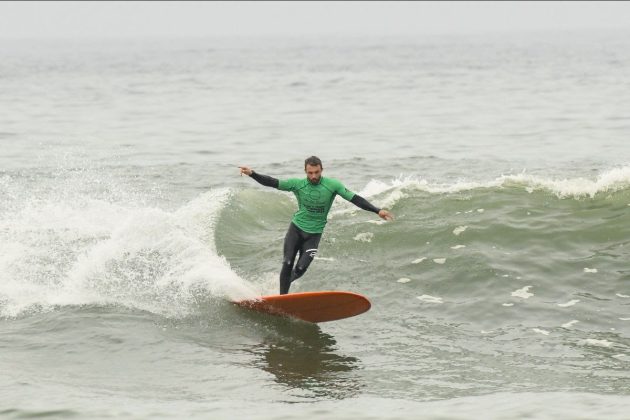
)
(265, 180)
(362, 203)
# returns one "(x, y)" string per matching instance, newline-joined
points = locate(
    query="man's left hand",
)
(385, 215)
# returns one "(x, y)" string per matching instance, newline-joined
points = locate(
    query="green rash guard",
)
(314, 201)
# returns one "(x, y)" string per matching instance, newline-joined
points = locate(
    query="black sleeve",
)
(265, 180)
(361, 202)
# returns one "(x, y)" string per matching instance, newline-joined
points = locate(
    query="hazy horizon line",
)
(406, 35)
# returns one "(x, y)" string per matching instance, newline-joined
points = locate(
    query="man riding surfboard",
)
(315, 195)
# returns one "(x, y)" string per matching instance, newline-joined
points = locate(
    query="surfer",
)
(315, 195)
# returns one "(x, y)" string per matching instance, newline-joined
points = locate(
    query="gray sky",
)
(185, 19)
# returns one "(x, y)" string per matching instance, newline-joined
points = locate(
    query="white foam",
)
(624, 319)
(621, 356)
(266, 283)
(590, 270)
(377, 222)
(609, 181)
(430, 299)
(364, 237)
(324, 258)
(418, 260)
(403, 280)
(459, 230)
(480, 210)
(523, 293)
(622, 296)
(569, 303)
(110, 253)
(570, 323)
(596, 343)
(458, 247)
(376, 187)
(507, 304)
(539, 331)
(439, 260)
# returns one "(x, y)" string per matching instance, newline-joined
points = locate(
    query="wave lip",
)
(616, 179)
(613, 180)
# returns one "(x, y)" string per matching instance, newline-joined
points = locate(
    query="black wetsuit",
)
(296, 240)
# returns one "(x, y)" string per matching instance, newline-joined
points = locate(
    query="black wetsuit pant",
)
(297, 241)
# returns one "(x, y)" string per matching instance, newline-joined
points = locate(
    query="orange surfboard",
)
(310, 306)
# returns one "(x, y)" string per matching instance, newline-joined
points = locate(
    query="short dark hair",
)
(313, 161)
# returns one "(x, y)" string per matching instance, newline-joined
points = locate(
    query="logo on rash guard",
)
(315, 209)
(314, 194)
(312, 201)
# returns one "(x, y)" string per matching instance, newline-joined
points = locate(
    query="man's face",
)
(313, 173)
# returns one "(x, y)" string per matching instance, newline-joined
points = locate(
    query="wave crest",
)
(614, 180)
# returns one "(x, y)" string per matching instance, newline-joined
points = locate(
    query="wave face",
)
(467, 247)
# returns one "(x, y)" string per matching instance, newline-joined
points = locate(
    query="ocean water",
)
(501, 290)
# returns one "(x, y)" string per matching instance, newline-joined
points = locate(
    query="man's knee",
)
(287, 269)
(300, 269)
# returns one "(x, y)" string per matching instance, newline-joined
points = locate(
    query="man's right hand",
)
(245, 170)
